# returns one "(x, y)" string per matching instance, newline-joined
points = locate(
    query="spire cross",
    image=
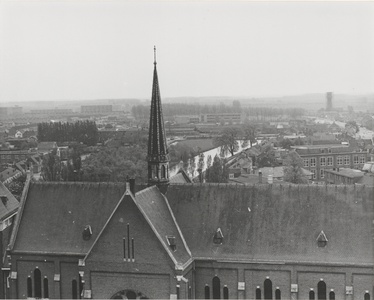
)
(154, 49)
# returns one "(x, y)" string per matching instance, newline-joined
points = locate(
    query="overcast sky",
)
(104, 49)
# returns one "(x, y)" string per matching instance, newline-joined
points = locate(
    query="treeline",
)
(81, 131)
(259, 113)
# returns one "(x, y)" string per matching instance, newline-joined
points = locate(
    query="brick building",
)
(318, 158)
(173, 239)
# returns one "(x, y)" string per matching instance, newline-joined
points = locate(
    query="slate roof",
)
(55, 214)
(276, 222)
(156, 210)
(180, 177)
(8, 206)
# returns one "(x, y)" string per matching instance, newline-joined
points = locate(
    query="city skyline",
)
(94, 50)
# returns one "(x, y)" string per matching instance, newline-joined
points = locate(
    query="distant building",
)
(10, 111)
(348, 176)
(187, 119)
(96, 109)
(217, 117)
(52, 112)
(318, 158)
(328, 101)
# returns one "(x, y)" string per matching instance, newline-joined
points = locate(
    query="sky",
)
(80, 50)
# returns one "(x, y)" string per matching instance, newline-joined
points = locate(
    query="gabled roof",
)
(155, 208)
(59, 212)
(180, 177)
(8, 203)
(276, 222)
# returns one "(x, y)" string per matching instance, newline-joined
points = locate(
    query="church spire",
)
(158, 154)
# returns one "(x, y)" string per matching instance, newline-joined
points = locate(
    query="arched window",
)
(163, 171)
(225, 292)
(37, 283)
(207, 292)
(268, 289)
(45, 286)
(332, 295)
(74, 289)
(216, 288)
(29, 287)
(367, 296)
(258, 293)
(277, 294)
(321, 290)
(312, 296)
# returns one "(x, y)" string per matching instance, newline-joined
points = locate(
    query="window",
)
(355, 159)
(362, 159)
(37, 283)
(367, 296)
(322, 161)
(313, 162)
(258, 293)
(332, 295)
(330, 161)
(29, 287)
(313, 171)
(216, 288)
(339, 160)
(207, 292)
(322, 173)
(218, 237)
(277, 294)
(306, 162)
(225, 292)
(268, 289)
(74, 287)
(231, 176)
(163, 171)
(45, 286)
(346, 160)
(321, 290)
(311, 295)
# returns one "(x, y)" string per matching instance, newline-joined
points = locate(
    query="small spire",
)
(154, 49)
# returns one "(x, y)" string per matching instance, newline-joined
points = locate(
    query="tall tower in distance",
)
(158, 154)
(329, 101)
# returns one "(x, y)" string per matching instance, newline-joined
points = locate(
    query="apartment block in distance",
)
(217, 117)
(318, 158)
(96, 109)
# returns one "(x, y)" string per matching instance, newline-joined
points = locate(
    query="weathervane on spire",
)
(154, 48)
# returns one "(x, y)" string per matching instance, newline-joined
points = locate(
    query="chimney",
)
(181, 165)
(132, 185)
(259, 176)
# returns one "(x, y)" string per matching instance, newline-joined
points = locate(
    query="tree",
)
(218, 172)
(200, 166)
(352, 128)
(286, 143)
(293, 169)
(51, 167)
(249, 131)
(16, 186)
(267, 157)
(228, 140)
(72, 170)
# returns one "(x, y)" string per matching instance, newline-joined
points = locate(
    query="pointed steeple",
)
(158, 154)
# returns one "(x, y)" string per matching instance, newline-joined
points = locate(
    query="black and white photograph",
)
(186, 149)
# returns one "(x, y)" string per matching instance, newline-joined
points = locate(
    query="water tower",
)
(329, 101)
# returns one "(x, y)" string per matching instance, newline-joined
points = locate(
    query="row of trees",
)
(141, 112)
(111, 164)
(84, 132)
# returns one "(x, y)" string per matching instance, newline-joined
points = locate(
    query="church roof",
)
(8, 203)
(55, 214)
(278, 223)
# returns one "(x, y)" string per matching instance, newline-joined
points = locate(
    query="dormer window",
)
(4, 199)
(218, 237)
(87, 233)
(172, 242)
(322, 240)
